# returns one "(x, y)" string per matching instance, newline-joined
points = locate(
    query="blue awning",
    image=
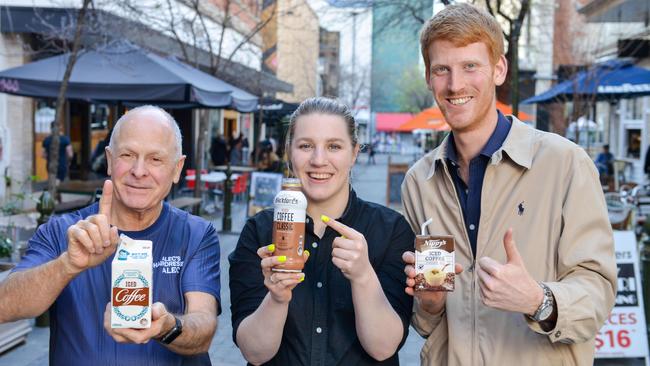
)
(611, 80)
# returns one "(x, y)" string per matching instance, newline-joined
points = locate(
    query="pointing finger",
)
(106, 201)
(340, 228)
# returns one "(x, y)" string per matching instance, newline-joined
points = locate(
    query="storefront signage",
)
(624, 333)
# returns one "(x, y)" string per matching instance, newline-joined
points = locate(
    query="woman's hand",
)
(279, 284)
(350, 252)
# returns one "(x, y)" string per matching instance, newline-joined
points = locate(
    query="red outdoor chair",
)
(191, 183)
(241, 186)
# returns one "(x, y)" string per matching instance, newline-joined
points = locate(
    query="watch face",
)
(546, 312)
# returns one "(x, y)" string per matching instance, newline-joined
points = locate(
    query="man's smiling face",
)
(463, 82)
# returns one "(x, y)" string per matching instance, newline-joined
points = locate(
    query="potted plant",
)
(6, 247)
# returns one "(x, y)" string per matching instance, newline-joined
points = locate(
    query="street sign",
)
(624, 333)
(264, 187)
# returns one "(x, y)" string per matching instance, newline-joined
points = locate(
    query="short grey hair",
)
(149, 108)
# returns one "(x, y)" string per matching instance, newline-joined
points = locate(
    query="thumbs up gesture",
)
(92, 240)
(508, 286)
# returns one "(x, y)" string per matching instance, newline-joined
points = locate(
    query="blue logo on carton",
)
(122, 255)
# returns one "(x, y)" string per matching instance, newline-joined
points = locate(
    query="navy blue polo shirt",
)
(469, 194)
(186, 258)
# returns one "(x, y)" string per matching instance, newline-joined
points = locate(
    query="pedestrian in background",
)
(236, 152)
(371, 153)
(268, 160)
(65, 154)
(605, 164)
(348, 307)
(525, 208)
(218, 150)
(98, 163)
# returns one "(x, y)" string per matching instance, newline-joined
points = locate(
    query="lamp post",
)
(227, 200)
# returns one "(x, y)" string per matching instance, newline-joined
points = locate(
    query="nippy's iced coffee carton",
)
(434, 262)
(132, 276)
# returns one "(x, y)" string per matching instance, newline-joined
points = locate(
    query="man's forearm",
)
(379, 328)
(198, 329)
(29, 293)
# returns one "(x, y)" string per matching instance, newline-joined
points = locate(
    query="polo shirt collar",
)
(350, 212)
(517, 143)
(493, 143)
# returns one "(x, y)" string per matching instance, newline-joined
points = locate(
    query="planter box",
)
(16, 332)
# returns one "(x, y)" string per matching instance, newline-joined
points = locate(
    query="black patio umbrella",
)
(123, 72)
(276, 109)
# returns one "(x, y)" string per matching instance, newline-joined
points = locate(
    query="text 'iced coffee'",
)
(289, 215)
(132, 276)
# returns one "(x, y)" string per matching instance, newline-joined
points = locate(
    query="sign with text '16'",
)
(624, 333)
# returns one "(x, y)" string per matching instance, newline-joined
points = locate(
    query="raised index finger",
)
(340, 228)
(106, 201)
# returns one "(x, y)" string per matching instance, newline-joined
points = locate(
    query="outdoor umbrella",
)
(274, 110)
(432, 119)
(611, 80)
(123, 72)
(428, 119)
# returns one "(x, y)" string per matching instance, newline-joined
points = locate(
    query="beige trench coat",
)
(563, 235)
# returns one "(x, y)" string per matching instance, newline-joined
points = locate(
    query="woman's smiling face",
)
(322, 155)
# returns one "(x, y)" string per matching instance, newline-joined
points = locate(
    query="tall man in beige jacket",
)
(526, 210)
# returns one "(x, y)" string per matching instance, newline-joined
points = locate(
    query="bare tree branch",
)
(172, 25)
(53, 153)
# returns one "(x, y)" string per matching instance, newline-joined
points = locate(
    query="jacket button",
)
(558, 334)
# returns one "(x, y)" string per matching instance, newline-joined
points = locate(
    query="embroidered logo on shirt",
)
(170, 265)
(520, 209)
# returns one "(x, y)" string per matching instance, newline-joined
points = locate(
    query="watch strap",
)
(547, 302)
(173, 333)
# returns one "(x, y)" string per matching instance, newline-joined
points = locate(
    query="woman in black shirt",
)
(349, 306)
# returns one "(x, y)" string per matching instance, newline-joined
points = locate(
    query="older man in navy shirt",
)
(67, 267)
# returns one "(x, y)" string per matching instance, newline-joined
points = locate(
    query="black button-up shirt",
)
(320, 326)
(469, 194)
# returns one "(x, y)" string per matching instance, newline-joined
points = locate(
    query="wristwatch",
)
(545, 310)
(173, 333)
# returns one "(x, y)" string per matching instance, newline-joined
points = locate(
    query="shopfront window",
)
(633, 141)
(99, 116)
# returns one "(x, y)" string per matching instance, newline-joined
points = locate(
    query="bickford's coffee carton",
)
(132, 276)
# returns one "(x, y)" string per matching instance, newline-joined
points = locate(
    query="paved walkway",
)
(369, 181)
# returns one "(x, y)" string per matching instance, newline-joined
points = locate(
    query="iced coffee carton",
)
(434, 262)
(132, 276)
